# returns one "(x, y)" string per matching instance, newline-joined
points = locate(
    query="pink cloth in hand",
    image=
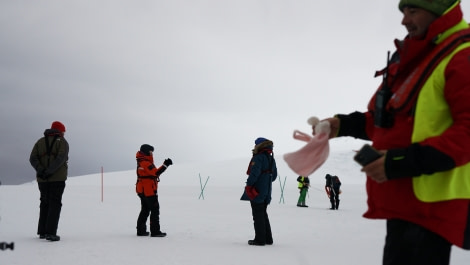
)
(310, 157)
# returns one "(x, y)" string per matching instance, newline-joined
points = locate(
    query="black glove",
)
(168, 162)
(42, 174)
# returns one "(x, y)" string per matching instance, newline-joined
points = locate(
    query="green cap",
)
(437, 7)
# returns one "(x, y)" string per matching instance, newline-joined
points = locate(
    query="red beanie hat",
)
(58, 126)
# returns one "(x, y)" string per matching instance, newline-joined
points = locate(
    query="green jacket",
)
(54, 165)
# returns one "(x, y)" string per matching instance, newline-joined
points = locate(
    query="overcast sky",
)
(199, 80)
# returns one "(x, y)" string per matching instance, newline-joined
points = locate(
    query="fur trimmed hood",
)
(265, 145)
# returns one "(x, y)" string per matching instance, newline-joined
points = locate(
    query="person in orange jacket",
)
(148, 176)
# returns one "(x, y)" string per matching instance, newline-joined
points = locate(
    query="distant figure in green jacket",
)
(304, 184)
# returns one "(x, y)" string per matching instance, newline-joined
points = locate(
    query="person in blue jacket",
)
(262, 171)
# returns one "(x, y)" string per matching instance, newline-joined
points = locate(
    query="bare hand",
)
(376, 170)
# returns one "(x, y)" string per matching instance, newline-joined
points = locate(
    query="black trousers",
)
(50, 206)
(261, 223)
(410, 244)
(149, 206)
(334, 198)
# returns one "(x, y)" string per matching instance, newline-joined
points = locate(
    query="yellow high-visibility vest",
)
(432, 118)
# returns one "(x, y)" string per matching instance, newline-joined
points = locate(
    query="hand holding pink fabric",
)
(310, 157)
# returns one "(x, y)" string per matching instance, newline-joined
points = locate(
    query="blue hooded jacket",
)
(261, 172)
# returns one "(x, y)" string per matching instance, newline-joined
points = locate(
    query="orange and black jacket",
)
(147, 175)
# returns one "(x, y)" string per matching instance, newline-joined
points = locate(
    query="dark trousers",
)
(149, 206)
(50, 206)
(410, 244)
(261, 223)
(334, 198)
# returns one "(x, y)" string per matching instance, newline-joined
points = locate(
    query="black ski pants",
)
(50, 206)
(261, 223)
(334, 198)
(149, 206)
(410, 244)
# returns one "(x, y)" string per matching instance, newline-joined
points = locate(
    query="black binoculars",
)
(5, 245)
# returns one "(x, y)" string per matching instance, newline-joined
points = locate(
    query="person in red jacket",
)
(419, 120)
(148, 176)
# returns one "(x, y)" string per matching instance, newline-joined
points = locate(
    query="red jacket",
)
(147, 175)
(395, 199)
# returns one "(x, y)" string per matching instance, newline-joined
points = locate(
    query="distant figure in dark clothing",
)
(332, 188)
(49, 158)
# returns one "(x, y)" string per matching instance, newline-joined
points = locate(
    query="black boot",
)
(332, 206)
(142, 230)
(337, 204)
(158, 234)
(52, 237)
(256, 243)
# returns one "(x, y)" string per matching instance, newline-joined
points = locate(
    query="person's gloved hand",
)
(251, 192)
(168, 162)
(43, 175)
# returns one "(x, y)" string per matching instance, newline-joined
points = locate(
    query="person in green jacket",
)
(304, 184)
(49, 158)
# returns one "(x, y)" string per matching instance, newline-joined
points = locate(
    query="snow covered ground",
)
(210, 230)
